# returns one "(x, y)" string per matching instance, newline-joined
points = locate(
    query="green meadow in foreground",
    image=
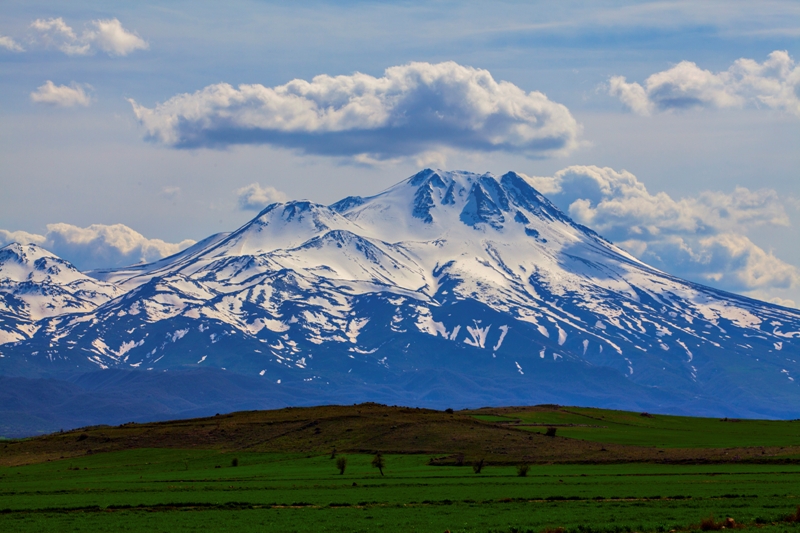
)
(234, 472)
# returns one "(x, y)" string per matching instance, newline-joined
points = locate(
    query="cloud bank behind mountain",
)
(98, 245)
(702, 238)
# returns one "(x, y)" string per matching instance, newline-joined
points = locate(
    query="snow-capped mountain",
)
(448, 288)
(35, 284)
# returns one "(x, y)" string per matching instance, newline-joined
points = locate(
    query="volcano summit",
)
(448, 289)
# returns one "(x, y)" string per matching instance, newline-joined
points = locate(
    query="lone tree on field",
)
(341, 464)
(378, 462)
(477, 466)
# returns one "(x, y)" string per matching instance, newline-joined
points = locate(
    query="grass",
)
(616, 472)
(189, 490)
(626, 428)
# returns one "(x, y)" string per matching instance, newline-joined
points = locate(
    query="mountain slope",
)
(447, 289)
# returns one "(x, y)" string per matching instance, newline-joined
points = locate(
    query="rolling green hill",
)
(644, 429)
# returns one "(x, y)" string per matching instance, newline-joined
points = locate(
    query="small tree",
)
(235, 461)
(551, 432)
(341, 464)
(477, 466)
(522, 470)
(378, 462)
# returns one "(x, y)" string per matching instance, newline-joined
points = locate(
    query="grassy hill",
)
(498, 435)
(645, 429)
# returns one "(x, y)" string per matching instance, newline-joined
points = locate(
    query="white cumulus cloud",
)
(61, 95)
(56, 33)
(10, 44)
(255, 197)
(702, 238)
(106, 35)
(773, 84)
(110, 37)
(97, 246)
(411, 110)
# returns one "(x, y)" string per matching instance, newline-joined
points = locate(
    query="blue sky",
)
(691, 166)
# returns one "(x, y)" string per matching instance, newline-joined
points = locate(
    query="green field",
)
(176, 490)
(621, 427)
(116, 479)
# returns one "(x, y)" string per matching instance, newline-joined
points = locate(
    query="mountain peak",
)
(36, 284)
(434, 202)
(23, 253)
(31, 262)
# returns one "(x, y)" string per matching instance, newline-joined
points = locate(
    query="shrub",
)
(449, 411)
(341, 464)
(235, 461)
(378, 462)
(551, 432)
(477, 466)
(522, 470)
(708, 524)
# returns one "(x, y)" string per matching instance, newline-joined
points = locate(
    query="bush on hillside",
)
(378, 462)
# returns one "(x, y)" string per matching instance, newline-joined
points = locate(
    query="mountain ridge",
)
(444, 274)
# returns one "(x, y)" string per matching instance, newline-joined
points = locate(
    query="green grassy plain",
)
(656, 474)
(180, 490)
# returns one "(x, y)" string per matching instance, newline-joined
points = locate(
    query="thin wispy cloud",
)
(98, 245)
(773, 84)
(170, 192)
(700, 237)
(61, 95)
(105, 35)
(412, 109)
